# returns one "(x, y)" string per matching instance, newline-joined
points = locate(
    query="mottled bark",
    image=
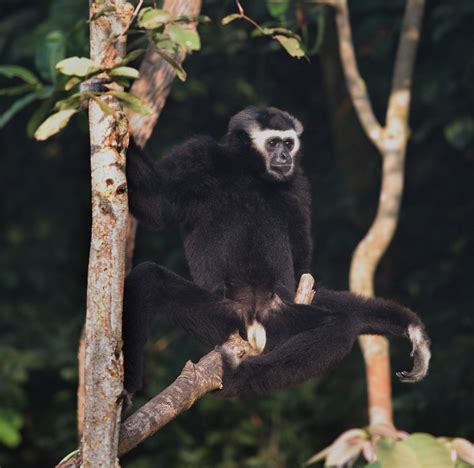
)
(391, 141)
(153, 87)
(193, 383)
(103, 362)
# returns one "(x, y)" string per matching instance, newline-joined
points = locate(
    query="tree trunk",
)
(103, 361)
(391, 142)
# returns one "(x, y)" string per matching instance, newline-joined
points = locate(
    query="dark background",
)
(45, 224)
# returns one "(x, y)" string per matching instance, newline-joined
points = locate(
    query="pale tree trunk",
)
(153, 87)
(391, 141)
(103, 362)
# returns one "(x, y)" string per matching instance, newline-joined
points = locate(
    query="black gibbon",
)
(243, 211)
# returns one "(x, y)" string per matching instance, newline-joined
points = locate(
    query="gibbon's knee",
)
(147, 275)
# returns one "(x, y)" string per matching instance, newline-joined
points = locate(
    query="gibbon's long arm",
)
(159, 189)
(299, 228)
(146, 201)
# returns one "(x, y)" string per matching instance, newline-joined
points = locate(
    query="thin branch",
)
(355, 83)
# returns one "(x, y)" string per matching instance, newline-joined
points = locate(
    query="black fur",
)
(247, 241)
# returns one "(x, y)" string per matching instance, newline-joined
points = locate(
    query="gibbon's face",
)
(278, 149)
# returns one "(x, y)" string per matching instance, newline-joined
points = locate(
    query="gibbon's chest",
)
(239, 206)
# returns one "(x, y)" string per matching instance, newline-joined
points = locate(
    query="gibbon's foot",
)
(421, 355)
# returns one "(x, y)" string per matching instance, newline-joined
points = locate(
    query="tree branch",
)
(391, 142)
(195, 381)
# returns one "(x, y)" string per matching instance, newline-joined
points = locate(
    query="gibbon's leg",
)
(376, 316)
(301, 357)
(305, 341)
(151, 290)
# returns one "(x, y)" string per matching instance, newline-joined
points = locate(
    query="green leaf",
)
(430, 453)
(53, 124)
(10, 424)
(177, 67)
(291, 45)
(164, 42)
(152, 18)
(132, 102)
(229, 18)
(71, 102)
(131, 56)
(38, 116)
(15, 90)
(49, 53)
(16, 107)
(188, 39)
(318, 456)
(14, 71)
(124, 72)
(204, 19)
(77, 66)
(277, 8)
(396, 455)
(74, 81)
(374, 464)
(460, 132)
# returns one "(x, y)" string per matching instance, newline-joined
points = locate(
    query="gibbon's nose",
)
(281, 162)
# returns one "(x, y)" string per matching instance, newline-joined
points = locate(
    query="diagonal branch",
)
(195, 381)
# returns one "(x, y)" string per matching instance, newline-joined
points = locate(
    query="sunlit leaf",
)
(53, 124)
(152, 18)
(188, 39)
(181, 74)
(132, 102)
(16, 107)
(125, 72)
(318, 456)
(396, 455)
(38, 116)
(464, 449)
(49, 53)
(277, 8)
(14, 71)
(71, 102)
(346, 447)
(229, 18)
(429, 452)
(74, 81)
(77, 66)
(291, 45)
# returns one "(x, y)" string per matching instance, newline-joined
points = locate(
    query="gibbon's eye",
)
(273, 142)
(289, 143)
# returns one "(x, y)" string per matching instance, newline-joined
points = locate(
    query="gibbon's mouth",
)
(282, 169)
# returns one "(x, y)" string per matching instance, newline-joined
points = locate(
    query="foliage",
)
(382, 446)
(45, 219)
